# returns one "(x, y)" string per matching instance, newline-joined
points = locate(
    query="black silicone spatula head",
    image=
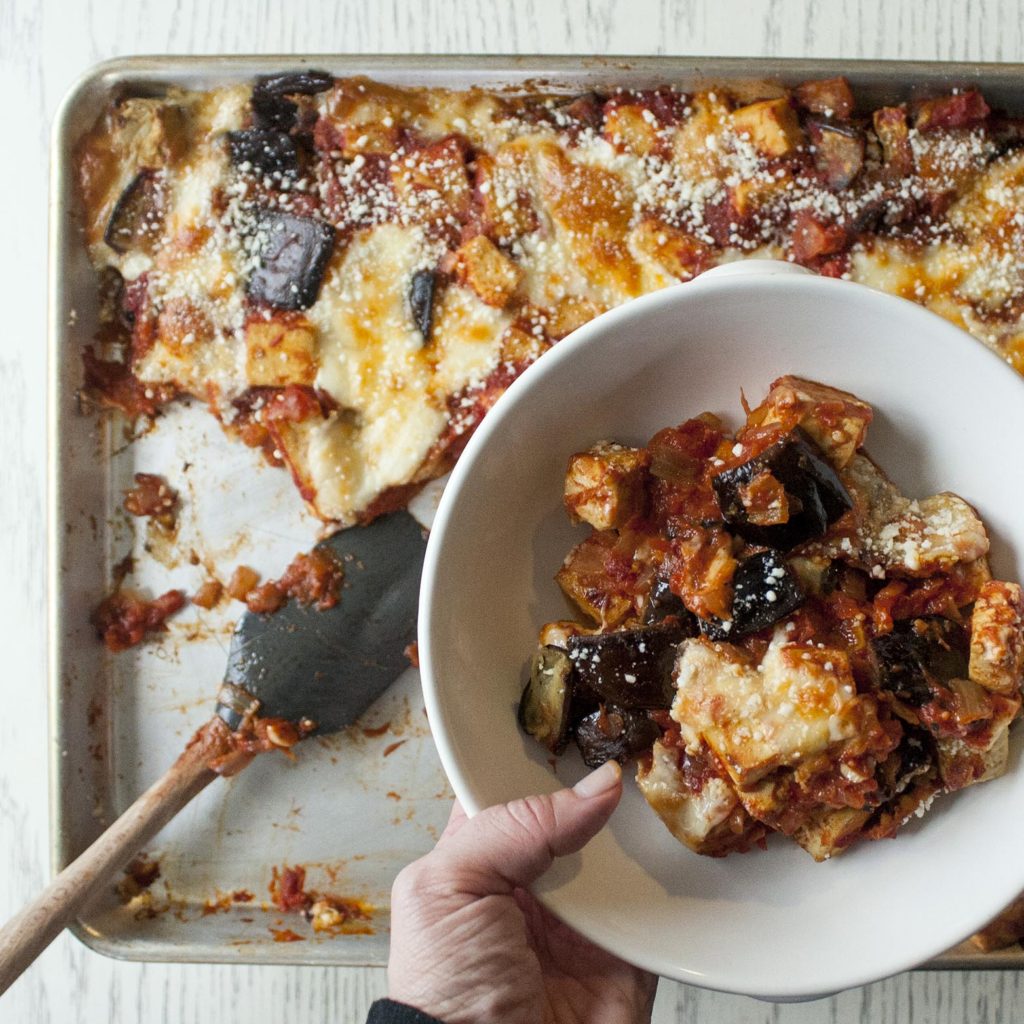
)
(329, 666)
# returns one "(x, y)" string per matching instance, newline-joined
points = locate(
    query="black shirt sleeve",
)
(385, 1011)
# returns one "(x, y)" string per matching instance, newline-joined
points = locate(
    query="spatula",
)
(323, 668)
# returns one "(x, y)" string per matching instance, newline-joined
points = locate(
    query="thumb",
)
(512, 845)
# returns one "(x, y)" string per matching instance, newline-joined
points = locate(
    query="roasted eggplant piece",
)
(838, 151)
(631, 668)
(265, 150)
(587, 109)
(614, 734)
(138, 216)
(544, 707)
(919, 653)
(662, 602)
(271, 107)
(815, 496)
(422, 291)
(917, 755)
(293, 255)
(765, 590)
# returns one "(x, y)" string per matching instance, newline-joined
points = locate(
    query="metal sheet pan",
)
(354, 808)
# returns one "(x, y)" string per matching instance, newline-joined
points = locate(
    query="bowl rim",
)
(725, 277)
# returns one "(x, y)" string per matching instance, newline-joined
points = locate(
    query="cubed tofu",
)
(945, 530)
(800, 701)
(503, 192)
(772, 126)
(585, 580)
(632, 128)
(755, 193)
(975, 575)
(698, 149)
(481, 265)
(556, 634)
(899, 537)
(768, 800)
(434, 182)
(520, 348)
(280, 353)
(997, 638)
(604, 486)
(370, 139)
(961, 765)
(982, 753)
(674, 251)
(571, 312)
(181, 328)
(832, 97)
(694, 818)
(830, 832)
(835, 420)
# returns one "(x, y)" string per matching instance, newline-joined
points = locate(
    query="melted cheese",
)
(588, 209)
(755, 718)
(691, 817)
(374, 363)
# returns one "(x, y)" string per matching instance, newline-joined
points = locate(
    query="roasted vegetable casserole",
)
(782, 640)
(349, 274)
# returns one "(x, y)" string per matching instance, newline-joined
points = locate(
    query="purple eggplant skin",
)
(838, 151)
(765, 590)
(631, 668)
(271, 108)
(422, 293)
(294, 83)
(917, 755)
(265, 151)
(919, 653)
(544, 709)
(662, 602)
(816, 495)
(137, 219)
(293, 255)
(614, 734)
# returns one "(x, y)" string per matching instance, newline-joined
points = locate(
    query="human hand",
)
(470, 944)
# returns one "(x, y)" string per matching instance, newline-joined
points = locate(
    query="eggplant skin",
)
(614, 734)
(545, 705)
(919, 653)
(765, 589)
(294, 83)
(271, 108)
(294, 253)
(631, 668)
(422, 292)
(136, 221)
(264, 150)
(817, 497)
(662, 602)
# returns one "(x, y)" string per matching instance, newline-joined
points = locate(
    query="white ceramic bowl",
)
(949, 415)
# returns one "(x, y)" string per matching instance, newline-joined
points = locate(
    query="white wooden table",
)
(44, 45)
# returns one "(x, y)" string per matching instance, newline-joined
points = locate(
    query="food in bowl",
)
(780, 639)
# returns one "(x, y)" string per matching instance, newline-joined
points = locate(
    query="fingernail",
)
(600, 781)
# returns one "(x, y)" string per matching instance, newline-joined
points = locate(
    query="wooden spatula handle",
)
(31, 930)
